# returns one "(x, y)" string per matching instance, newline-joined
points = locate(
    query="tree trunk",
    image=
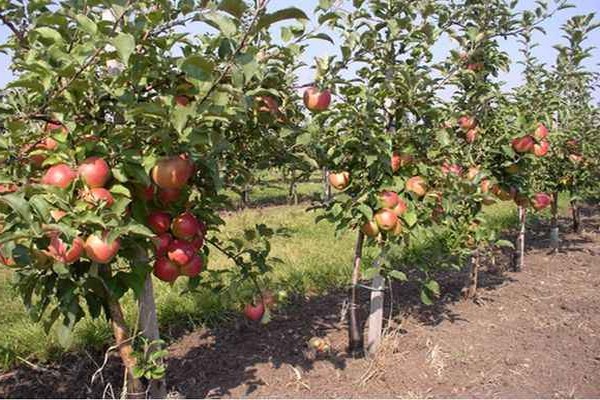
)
(355, 333)
(149, 328)
(520, 248)
(326, 186)
(293, 190)
(376, 312)
(554, 234)
(470, 290)
(576, 216)
(135, 388)
(245, 197)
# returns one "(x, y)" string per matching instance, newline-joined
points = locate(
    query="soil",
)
(532, 334)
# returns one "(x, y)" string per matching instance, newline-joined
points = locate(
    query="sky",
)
(318, 48)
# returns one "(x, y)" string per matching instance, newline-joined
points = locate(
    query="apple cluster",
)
(537, 143)
(387, 218)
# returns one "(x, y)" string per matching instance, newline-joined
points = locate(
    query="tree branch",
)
(19, 35)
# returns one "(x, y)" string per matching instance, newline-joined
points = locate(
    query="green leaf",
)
(49, 34)
(425, 299)
(18, 204)
(125, 44)
(398, 275)
(233, 7)
(322, 36)
(505, 243)
(221, 22)
(433, 287)
(287, 13)
(198, 67)
(87, 24)
(410, 218)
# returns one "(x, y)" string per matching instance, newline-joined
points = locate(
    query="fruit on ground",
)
(172, 172)
(541, 149)
(541, 132)
(400, 208)
(185, 226)
(400, 160)
(471, 135)
(386, 219)
(316, 100)
(161, 243)
(58, 249)
(388, 199)
(339, 180)
(467, 122)
(180, 252)
(168, 196)
(99, 250)
(99, 196)
(417, 185)
(94, 172)
(523, 144)
(159, 222)
(371, 229)
(165, 270)
(193, 267)
(59, 175)
(539, 201)
(254, 312)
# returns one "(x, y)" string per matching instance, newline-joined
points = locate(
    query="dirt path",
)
(536, 334)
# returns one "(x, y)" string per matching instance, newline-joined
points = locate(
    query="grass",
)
(314, 262)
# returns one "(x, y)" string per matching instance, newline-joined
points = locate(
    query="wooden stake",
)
(554, 234)
(520, 253)
(355, 333)
(376, 312)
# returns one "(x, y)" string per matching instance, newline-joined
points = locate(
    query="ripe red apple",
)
(541, 132)
(98, 196)
(59, 175)
(268, 104)
(180, 252)
(541, 149)
(165, 270)
(339, 180)
(400, 160)
(316, 100)
(172, 172)
(168, 196)
(98, 250)
(400, 208)
(371, 229)
(539, 201)
(386, 219)
(193, 268)
(254, 312)
(523, 144)
(471, 135)
(52, 126)
(58, 250)
(467, 122)
(161, 243)
(185, 226)
(448, 168)
(198, 242)
(94, 172)
(182, 100)
(159, 222)
(145, 193)
(388, 199)
(416, 185)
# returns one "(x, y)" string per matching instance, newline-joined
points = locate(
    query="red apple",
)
(400, 160)
(182, 100)
(254, 312)
(316, 100)
(180, 252)
(98, 196)
(448, 168)
(416, 185)
(467, 122)
(58, 250)
(541, 132)
(400, 208)
(388, 199)
(471, 135)
(198, 242)
(94, 172)
(172, 172)
(8, 188)
(168, 196)
(185, 226)
(59, 175)
(159, 222)
(523, 144)
(386, 219)
(371, 229)
(52, 126)
(193, 268)
(541, 149)
(98, 250)
(165, 270)
(145, 193)
(339, 180)
(161, 243)
(539, 201)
